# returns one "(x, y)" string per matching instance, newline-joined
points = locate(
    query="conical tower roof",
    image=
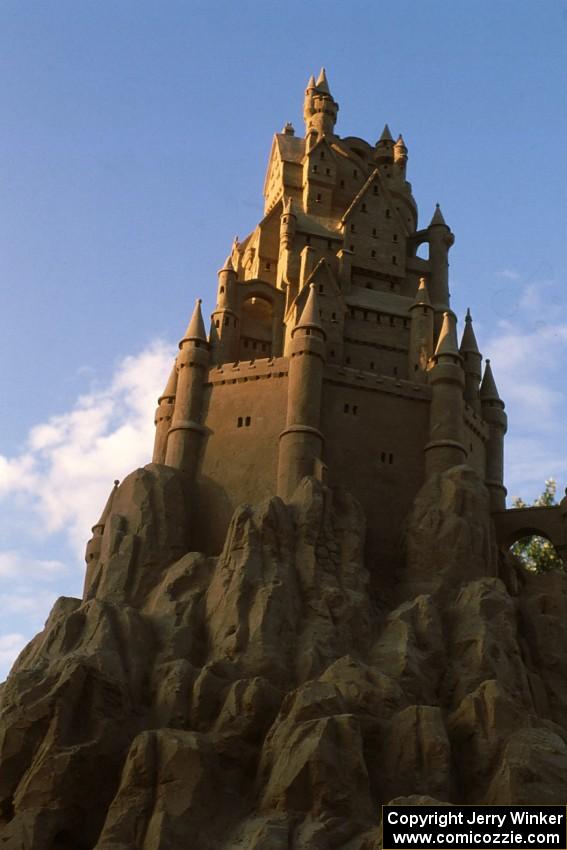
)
(196, 327)
(447, 342)
(386, 135)
(400, 142)
(171, 386)
(310, 316)
(107, 508)
(437, 217)
(310, 83)
(422, 295)
(469, 344)
(228, 265)
(488, 389)
(322, 83)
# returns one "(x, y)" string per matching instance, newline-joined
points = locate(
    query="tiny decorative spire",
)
(196, 327)
(310, 317)
(437, 217)
(235, 244)
(288, 129)
(322, 83)
(447, 342)
(386, 135)
(488, 390)
(468, 341)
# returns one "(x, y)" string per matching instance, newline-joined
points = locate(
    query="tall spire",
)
(447, 342)
(196, 327)
(488, 390)
(386, 135)
(310, 316)
(310, 83)
(437, 217)
(469, 344)
(322, 83)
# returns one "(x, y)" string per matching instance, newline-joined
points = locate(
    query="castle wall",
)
(375, 429)
(245, 412)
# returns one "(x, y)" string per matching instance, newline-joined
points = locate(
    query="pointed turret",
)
(437, 217)
(440, 240)
(322, 83)
(311, 314)
(384, 152)
(494, 415)
(421, 333)
(400, 156)
(164, 415)
(301, 442)
(319, 109)
(94, 545)
(488, 389)
(468, 344)
(472, 364)
(171, 386)
(447, 344)
(196, 327)
(186, 432)
(446, 378)
(422, 294)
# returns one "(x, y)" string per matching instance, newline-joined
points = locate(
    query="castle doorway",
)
(256, 329)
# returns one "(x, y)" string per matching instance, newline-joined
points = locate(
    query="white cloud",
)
(16, 565)
(71, 461)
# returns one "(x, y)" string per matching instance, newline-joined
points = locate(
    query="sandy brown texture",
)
(271, 698)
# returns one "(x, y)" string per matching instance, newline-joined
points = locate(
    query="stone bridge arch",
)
(549, 522)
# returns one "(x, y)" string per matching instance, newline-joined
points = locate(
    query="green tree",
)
(537, 554)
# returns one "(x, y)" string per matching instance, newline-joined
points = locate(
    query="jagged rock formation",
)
(273, 696)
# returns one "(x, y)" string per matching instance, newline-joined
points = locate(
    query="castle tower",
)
(400, 157)
(164, 415)
(421, 334)
(440, 240)
(224, 320)
(472, 364)
(446, 377)
(186, 431)
(494, 415)
(320, 109)
(384, 153)
(320, 325)
(301, 443)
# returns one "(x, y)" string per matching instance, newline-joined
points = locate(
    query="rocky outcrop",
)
(273, 696)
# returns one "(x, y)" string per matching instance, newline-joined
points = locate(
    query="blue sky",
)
(134, 141)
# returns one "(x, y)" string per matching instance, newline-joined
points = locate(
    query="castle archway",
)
(537, 531)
